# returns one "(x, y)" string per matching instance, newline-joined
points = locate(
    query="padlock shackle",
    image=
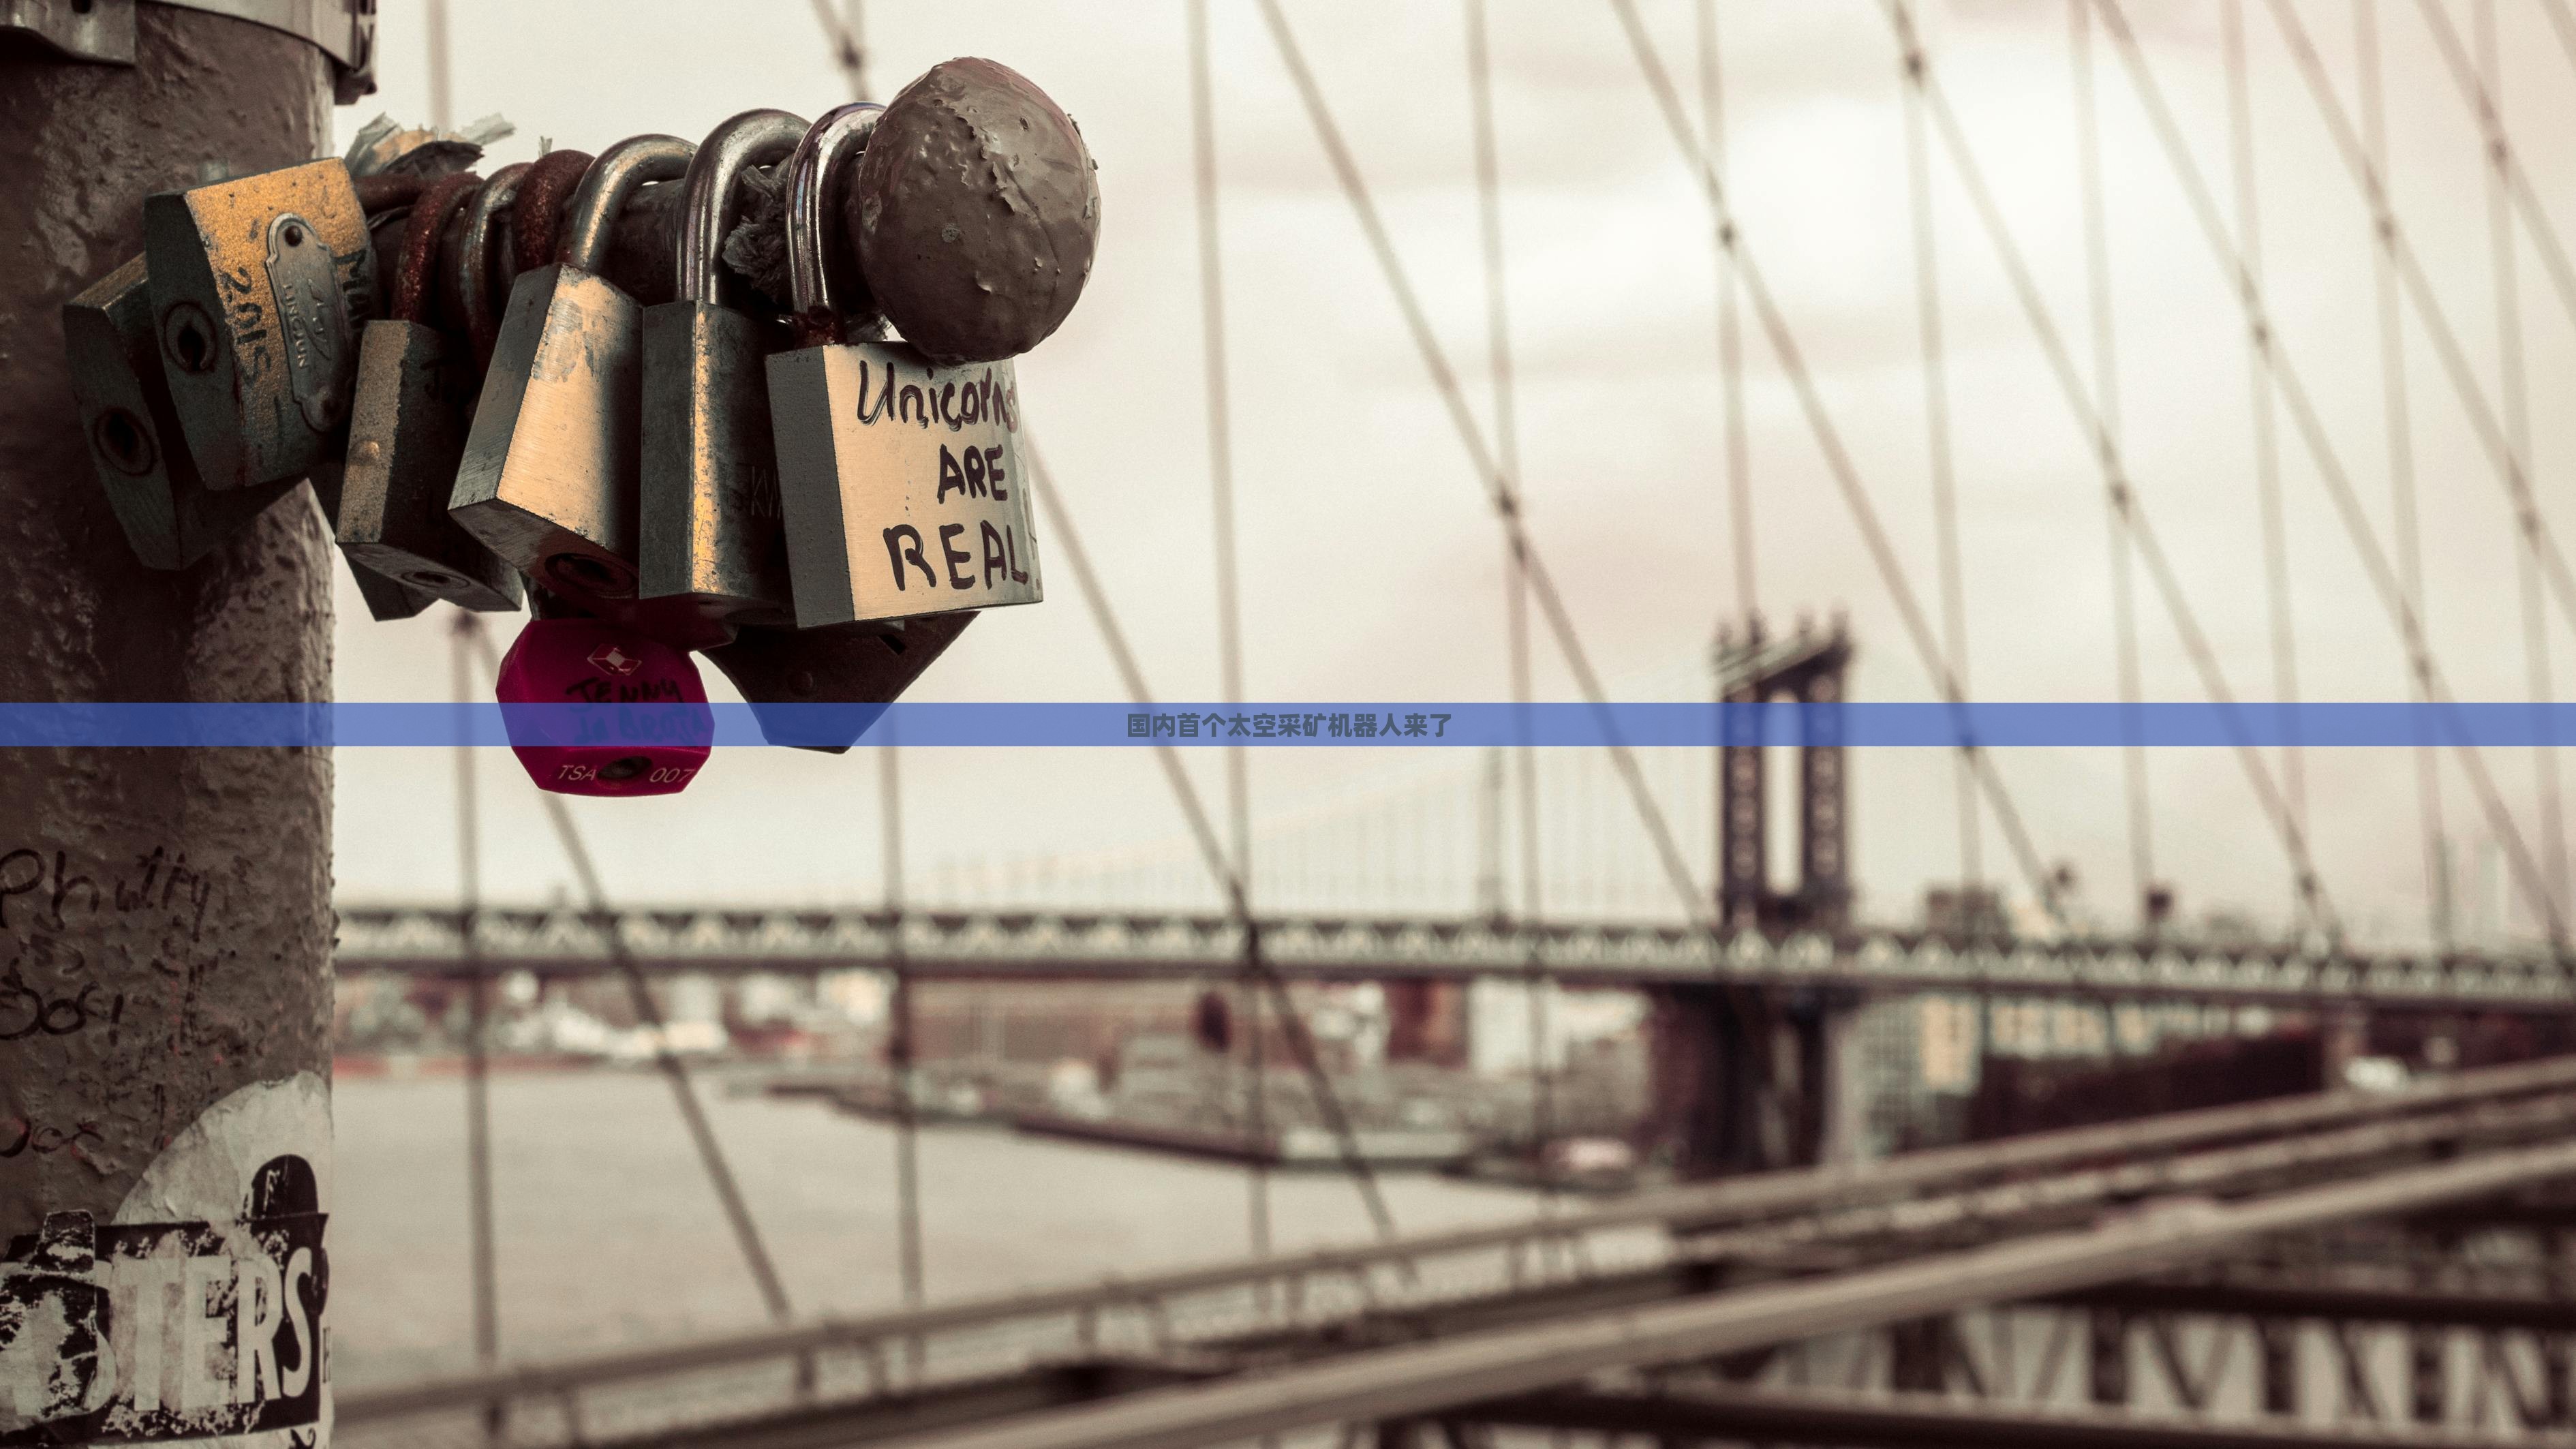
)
(537, 217)
(474, 284)
(611, 181)
(416, 263)
(708, 207)
(817, 173)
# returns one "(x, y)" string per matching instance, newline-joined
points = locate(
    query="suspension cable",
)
(901, 1040)
(1502, 487)
(711, 1155)
(1942, 464)
(1838, 462)
(2116, 482)
(2401, 477)
(847, 34)
(2514, 387)
(1292, 1027)
(2508, 465)
(2106, 391)
(478, 1087)
(1539, 983)
(2267, 446)
(2328, 464)
(1229, 607)
(1730, 327)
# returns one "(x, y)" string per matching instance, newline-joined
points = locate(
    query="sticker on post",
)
(183, 1327)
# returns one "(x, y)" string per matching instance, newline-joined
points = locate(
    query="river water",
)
(609, 1232)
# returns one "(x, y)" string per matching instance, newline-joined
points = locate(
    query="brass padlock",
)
(800, 682)
(141, 453)
(257, 288)
(406, 435)
(900, 480)
(385, 598)
(712, 543)
(548, 477)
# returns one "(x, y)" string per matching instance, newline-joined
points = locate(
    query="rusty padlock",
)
(900, 480)
(549, 476)
(170, 517)
(711, 543)
(623, 713)
(406, 435)
(258, 286)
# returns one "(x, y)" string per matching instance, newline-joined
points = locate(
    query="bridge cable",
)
(2509, 468)
(2266, 423)
(1839, 464)
(847, 35)
(2116, 482)
(2390, 588)
(711, 1156)
(1502, 487)
(1540, 984)
(1942, 464)
(1229, 605)
(486, 1279)
(2482, 88)
(1730, 326)
(901, 1038)
(2401, 476)
(1301, 1045)
(2106, 390)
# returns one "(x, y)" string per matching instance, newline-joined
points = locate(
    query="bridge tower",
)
(1748, 1078)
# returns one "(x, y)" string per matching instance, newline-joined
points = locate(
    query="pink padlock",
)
(627, 715)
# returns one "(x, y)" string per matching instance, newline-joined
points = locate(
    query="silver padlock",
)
(141, 453)
(900, 480)
(257, 288)
(712, 542)
(800, 683)
(549, 474)
(407, 432)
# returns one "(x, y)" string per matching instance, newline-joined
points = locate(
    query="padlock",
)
(141, 453)
(405, 435)
(713, 551)
(258, 286)
(385, 598)
(900, 480)
(801, 683)
(626, 714)
(549, 476)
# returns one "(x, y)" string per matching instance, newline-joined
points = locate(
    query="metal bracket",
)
(102, 31)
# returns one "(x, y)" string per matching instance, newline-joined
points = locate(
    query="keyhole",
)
(625, 769)
(584, 574)
(293, 235)
(190, 338)
(123, 442)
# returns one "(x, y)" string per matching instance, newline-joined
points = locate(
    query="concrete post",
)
(165, 916)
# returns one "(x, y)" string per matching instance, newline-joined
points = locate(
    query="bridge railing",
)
(1152, 1314)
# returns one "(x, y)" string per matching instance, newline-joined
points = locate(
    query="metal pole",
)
(167, 912)
(478, 1090)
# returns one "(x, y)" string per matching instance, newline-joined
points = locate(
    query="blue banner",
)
(1301, 726)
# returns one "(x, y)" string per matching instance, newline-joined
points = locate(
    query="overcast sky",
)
(1373, 568)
